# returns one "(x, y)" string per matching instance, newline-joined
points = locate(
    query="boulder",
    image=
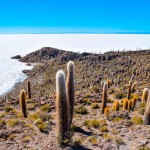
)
(16, 57)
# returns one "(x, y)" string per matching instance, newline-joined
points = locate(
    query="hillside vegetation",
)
(98, 101)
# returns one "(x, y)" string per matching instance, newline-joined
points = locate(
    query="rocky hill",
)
(117, 129)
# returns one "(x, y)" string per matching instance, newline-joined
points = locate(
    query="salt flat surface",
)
(22, 44)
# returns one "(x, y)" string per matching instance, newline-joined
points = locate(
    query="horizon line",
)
(4, 33)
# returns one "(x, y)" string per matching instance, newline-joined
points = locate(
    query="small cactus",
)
(145, 95)
(129, 90)
(107, 112)
(61, 107)
(116, 108)
(133, 102)
(109, 83)
(125, 104)
(23, 103)
(104, 97)
(147, 111)
(70, 90)
(29, 89)
(129, 105)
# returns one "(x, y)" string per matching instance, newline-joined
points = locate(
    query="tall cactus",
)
(23, 103)
(104, 97)
(147, 111)
(129, 90)
(29, 89)
(145, 95)
(70, 90)
(61, 107)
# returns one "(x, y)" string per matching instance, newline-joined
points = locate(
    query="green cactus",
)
(70, 90)
(29, 89)
(23, 103)
(104, 97)
(147, 111)
(145, 95)
(61, 107)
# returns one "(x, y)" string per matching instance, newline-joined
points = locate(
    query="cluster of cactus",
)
(147, 111)
(104, 97)
(64, 101)
(129, 104)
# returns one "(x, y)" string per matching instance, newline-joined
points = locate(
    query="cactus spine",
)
(61, 107)
(129, 90)
(23, 103)
(70, 90)
(104, 97)
(145, 95)
(116, 108)
(147, 112)
(125, 104)
(29, 89)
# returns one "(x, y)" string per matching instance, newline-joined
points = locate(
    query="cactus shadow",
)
(83, 131)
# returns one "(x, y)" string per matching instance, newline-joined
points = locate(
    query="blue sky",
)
(74, 16)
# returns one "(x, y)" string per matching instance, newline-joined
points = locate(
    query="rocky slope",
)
(92, 130)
